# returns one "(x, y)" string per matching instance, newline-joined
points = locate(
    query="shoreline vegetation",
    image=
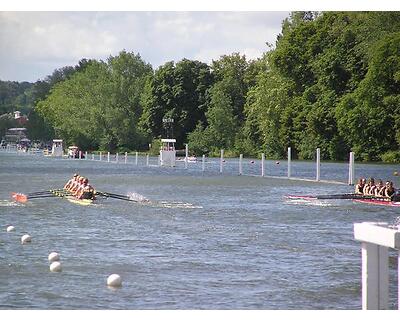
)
(331, 81)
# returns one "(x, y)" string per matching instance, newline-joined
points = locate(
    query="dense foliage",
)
(331, 82)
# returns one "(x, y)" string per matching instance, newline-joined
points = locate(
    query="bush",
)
(391, 157)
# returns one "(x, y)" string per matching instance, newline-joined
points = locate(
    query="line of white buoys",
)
(55, 266)
(10, 228)
(114, 280)
(54, 256)
(26, 238)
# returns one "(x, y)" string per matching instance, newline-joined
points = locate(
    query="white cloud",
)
(33, 44)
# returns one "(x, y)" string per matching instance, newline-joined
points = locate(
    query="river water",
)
(195, 240)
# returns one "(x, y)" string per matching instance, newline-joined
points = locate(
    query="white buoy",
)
(55, 267)
(114, 280)
(26, 239)
(10, 228)
(54, 256)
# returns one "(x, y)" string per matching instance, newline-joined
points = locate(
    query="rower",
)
(74, 183)
(389, 190)
(360, 186)
(70, 182)
(74, 190)
(380, 189)
(86, 191)
(369, 188)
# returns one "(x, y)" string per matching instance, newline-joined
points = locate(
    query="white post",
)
(398, 282)
(203, 163)
(262, 165)
(240, 164)
(116, 157)
(108, 156)
(86, 155)
(375, 276)
(351, 169)
(221, 162)
(186, 155)
(318, 164)
(136, 158)
(126, 157)
(100, 156)
(80, 154)
(92, 156)
(289, 161)
(147, 160)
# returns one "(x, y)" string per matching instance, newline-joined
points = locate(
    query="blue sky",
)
(36, 43)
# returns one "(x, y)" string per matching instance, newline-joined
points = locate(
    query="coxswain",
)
(86, 191)
(70, 182)
(369, 188)
(389, 189)
(360, 186)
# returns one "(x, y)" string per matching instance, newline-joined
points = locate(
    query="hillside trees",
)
(99, 106)
(176, 91)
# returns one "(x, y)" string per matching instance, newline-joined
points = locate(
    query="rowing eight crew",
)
(79, 187)
(378, 190)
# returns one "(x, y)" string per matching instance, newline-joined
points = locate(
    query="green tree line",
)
(332, 81)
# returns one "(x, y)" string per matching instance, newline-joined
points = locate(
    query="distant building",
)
(21, 119)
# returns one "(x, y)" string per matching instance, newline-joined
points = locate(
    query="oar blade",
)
(19, 197)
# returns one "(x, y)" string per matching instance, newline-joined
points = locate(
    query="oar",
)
(43, 192)
(20, 197)
(343, 196)
(114, 195)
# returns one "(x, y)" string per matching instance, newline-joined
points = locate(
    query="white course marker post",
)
(80, 155)
(147, 160)
(240, 164)
(289, 161)
(221, 161)
(116, 158)
(126, 157)
(186, 155)
(86, 155)
(262, 164)
(92, 156)
(203, 163)
(136, 158)
(108, 156)
(351, 169)
(100, 156)
(317, 178)
(376, 238)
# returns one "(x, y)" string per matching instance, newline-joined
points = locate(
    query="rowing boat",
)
(67, 195)
(82, 202)
(379, 202)
(355, 197)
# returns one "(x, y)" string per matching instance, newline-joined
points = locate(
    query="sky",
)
(37, 37)
(34, 44)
